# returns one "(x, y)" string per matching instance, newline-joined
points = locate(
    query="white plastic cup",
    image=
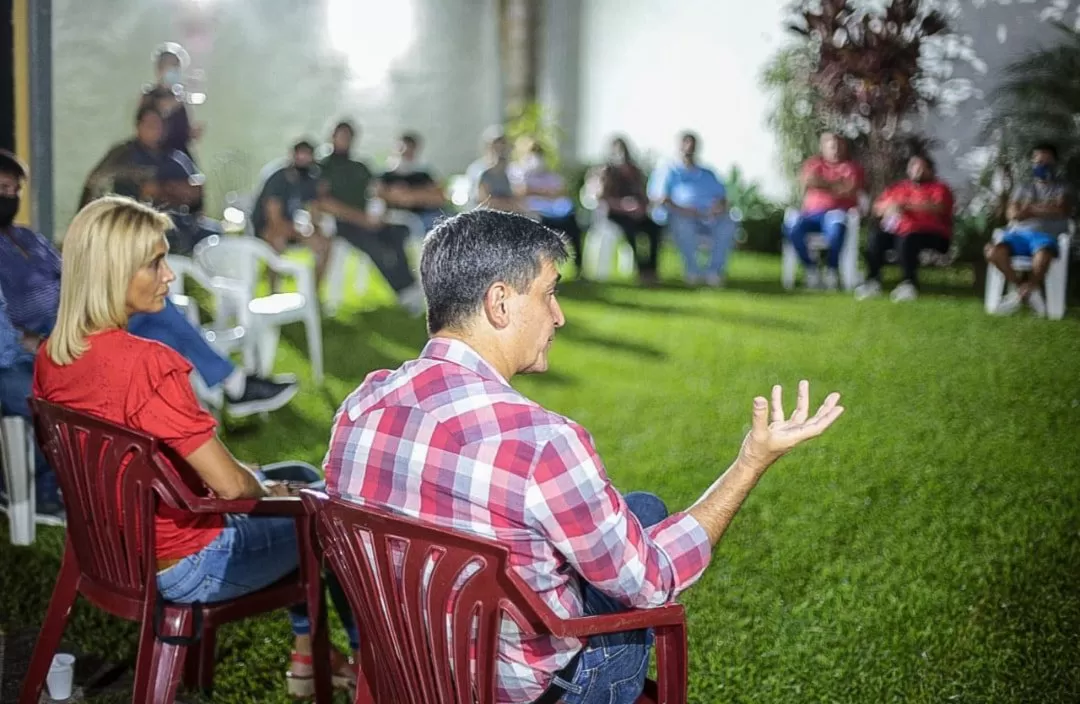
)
(61, 675)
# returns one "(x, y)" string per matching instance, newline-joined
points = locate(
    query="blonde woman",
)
(114, 267)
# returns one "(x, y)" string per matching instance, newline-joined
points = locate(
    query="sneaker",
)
(832, 280)
(870, 289)
(49, 512)
(1009, 304)
(1037, 302)
(906, 291)
(714, 281)
(813, 279)
(260, 396)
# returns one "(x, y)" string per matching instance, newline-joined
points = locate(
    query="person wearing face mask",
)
(289, 190)
(409, 184)
(1038, 212)
(622, 190)
(343, 193)
(166, 95)
(912, 215)
(543, 191)
(489, 176)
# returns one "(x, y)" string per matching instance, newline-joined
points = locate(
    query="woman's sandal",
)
(302, 686)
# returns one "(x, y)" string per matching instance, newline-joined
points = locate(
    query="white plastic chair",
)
(17, 458)
(340, 253)
(1057, 277)
(604, 241)
(849, 253)
(233, 264)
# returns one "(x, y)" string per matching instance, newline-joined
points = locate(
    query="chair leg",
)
(311, 572)
(207, 660)
(159, 665)
(995, 285)
(18, 467)
(63, 598)
(788, 264)
(266, 348)
(1056, 285)
(313, 327)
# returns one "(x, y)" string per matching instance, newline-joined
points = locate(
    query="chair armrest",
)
(669, 615)
(305, 279)
(267, 506)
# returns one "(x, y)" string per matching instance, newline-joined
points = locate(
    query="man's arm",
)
(770, 438)
(12, 349)
(341, 211)
(511, 204)
(591, 526)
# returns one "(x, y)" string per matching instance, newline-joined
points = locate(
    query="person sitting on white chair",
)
(915, 214)
(1038, 212)
(693, 202)
(622, 189)
(832, 183)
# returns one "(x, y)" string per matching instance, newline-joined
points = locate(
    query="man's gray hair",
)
(464, 255)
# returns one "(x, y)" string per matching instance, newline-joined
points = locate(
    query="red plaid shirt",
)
(446, 439)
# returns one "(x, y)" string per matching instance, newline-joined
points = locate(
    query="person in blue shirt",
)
(30, 281)
(693, 202)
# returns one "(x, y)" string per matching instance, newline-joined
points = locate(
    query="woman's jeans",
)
(612, 668)
(251, 553)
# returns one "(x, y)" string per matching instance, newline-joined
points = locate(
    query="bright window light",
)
(372, 34)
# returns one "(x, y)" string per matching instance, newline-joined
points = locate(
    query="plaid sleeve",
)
(570, 500)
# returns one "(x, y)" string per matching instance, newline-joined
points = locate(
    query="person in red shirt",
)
(915, 214)
(114, 267)
(832, 183)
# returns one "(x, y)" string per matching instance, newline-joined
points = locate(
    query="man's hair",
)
(303, 144)
(411, 138)
(687, 134)
(12, 165)
(344, 125)
(106, 244)
(464, 255)
(925, 158)
(1046, 147)
(145, 110)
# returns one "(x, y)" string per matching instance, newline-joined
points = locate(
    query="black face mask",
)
(303, 170)
(9, 205)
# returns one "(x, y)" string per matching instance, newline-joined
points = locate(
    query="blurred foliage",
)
(537, 122)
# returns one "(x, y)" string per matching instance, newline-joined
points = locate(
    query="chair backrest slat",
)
(428, 600)
(112, 479)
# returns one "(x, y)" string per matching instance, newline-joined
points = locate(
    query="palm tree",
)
(1039, 100)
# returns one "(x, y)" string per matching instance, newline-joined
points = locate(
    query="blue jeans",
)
(688, 232)
(251, 553)
(15, 382)
(612, 668)
(832, 224)
(170, 327)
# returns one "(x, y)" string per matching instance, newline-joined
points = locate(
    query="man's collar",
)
(460, 353)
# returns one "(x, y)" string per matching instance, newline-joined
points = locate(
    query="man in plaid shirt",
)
(446, 439)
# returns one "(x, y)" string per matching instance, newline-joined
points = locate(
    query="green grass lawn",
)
(926, 550)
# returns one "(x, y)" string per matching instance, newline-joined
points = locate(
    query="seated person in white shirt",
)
(544, 193)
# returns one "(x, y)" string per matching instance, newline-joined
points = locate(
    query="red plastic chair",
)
(401, 577)
(104, 559)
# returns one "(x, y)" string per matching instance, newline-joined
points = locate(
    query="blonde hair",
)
(107, 243)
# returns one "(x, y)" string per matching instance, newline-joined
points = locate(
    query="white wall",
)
(650, 68)
(276, 70)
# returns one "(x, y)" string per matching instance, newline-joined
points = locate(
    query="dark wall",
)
(7, 78)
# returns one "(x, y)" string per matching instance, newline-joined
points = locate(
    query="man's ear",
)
(497, 304)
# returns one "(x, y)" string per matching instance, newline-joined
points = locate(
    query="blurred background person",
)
(168, 96)
(409, 184)
(343, 193)
(544, 193)
(622, 189)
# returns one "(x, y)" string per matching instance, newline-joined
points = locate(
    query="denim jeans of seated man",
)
(689, 233)
(612, 668)
(831, 224)
(15, 383)
(251, 553)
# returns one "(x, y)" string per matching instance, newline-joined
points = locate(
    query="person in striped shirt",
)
(446, 439)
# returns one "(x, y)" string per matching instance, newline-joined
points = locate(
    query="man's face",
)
(169, 64)
(10, 185)
(407, 150)
(500, 148)
(918, 169)
(342, 140)
(1043, 157)
(536, 316)
(303, 159)
(831, 148)
(150, 130)
(688, 148)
